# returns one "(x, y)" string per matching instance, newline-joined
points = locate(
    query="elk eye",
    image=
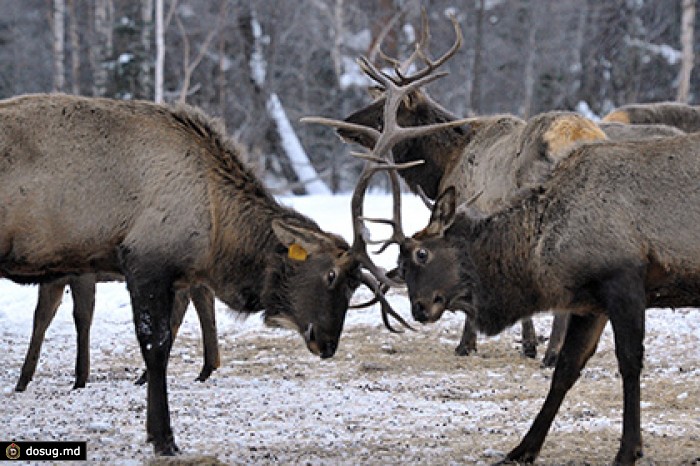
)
(330, 278)
(421, 255)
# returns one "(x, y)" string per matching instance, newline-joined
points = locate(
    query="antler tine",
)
(421, 46)
(433, 64)
(340, 124)
(374, 73)
(387, 310)
(423, 43)
(359, 245)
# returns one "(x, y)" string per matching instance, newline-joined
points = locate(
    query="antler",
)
(380, 156)
(421, 47)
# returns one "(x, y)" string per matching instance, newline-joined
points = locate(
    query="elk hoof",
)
(464, 350)
(167, 449)
(550, 359)
(205, 373)
(21, 386)
(529, 350)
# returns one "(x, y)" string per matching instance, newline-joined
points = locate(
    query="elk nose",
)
(419, 312)
(328, 349)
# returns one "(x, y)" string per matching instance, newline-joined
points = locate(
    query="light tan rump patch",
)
(568, 130)
(617, 116)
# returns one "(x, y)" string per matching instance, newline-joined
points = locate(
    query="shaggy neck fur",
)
(242, 212)
(495, 262)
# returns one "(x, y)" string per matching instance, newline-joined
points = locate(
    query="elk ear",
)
(299, 241)
(412, 99)
(443, 214)
(375, 92)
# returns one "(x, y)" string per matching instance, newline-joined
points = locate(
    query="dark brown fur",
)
(682, 116)
(158, 194)
(611, 234)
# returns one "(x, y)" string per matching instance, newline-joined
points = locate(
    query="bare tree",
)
(145, 76)
(102, 44)
(478, 46)
(188, 66)
(688, 57)
(59, 45)
(74, 39)
(531, 56)
(160, 52)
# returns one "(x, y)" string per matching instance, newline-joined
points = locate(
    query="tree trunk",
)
(188, 66)
(160, 52)
(478, 46)
(59, 45)
(101, 46)
(74, 39)
(272, 130)
(530, 57)
(145, 77)
(688, 57)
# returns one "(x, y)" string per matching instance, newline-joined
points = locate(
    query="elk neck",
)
(501, 248)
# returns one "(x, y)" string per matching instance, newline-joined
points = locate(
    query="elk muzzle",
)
(320, 347)
(429, 310)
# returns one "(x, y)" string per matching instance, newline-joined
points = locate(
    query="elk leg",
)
(179, 308)
(580, 344)
(467, 344)
(556, 339)
(529, 336)
(49, 299)
(150, 285)
(625, 302)
(203, 300)
(83, 291)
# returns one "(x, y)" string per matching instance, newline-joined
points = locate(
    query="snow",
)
(584, 109)
(667, 52)
(383, 399)
(352, 75)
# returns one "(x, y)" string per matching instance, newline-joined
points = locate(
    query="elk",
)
(492, 155)
(159, 195)
(609, 234)
(682, 116)
(83, 290)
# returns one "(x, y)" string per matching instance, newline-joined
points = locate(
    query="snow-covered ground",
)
(383, 399)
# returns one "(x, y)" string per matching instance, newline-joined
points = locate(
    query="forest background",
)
(261, 65)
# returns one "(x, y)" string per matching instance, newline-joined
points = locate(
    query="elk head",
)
(416, 108)
(438, 273)
(312, 270)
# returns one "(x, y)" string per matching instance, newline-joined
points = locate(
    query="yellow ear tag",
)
(297, 252)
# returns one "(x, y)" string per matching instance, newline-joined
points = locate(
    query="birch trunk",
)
(59, 45)
(688, 57)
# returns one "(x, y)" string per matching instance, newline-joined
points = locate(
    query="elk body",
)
(83, 290)
(159, 195)
(611, 234)
(682, 116)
